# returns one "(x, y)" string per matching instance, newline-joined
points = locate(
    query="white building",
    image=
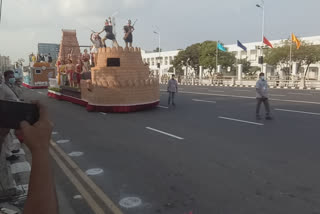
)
(5, 63)
(254, 51)
(164, 58)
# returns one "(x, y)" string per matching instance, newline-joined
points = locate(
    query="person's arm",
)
(101, 31)
(258, 89)
(41, 194)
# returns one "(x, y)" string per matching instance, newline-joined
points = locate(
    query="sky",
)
(25, 23)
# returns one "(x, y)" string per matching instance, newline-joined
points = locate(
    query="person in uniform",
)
(109, 33)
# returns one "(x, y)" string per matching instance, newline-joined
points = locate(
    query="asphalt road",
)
(207, 155)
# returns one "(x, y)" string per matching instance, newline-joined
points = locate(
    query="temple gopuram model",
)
(118, 82)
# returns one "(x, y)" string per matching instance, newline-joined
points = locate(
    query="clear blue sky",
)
(181, 22)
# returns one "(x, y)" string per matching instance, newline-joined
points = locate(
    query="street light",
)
(263, 18)
(158, 33)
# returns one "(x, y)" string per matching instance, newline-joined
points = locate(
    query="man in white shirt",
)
(262, 96)
(172, 90)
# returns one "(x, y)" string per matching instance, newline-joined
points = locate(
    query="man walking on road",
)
(262, 96)
(172, 90)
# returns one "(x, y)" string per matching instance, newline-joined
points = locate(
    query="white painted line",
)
(277, 95)
(301, 94)
(103, 113)
(40, 92)
(163, 107)
(204, 101)
(95, 171)
(20, 167)
(77, 197)
(165, 133)
(63, 141)
(243, 90)
(75, 154)
(242, 121)
(294, 111)
(54, 133)
(216, 91)
(130, 202)
(246, 97)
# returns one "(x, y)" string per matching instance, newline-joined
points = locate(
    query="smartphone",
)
(12, 113)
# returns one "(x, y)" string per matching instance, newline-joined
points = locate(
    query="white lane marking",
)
(40, 92)
(130, 202)
(54, 133)
(103, 113)
(277, 95)
(94, 171)
(216, 91)
(165, 133)
(163, 107)
(243, 90)
(242, 121)
(301, 94)
(294, 111)
(77, 197)
(63, 141)
(20, 167)
(204, 101)
(75, 154)
(246, 97)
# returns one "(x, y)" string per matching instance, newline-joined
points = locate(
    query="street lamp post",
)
(263, 23)
(158, 33)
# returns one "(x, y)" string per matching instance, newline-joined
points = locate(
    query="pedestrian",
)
(262, 96)
(172, 90)
(49, 58)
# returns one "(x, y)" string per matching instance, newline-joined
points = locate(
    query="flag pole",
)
(0, 9)
(290, 66)
(217, 58)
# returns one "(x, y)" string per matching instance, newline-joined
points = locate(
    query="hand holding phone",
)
(13, 113)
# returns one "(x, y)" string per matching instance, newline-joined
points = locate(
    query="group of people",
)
(40, 58)
(262, 95)
(70, 73)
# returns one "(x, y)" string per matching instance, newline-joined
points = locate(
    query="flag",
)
(221, 48)
(241, 45)
(296, 40)
(266, 41)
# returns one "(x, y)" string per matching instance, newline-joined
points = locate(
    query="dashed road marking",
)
(216, 91)
(75, 154)
(243, 90)
(130, 202)
(295, 111)
(277, 95)
(95, 171)
(301, 94)
(63, 141)
(204, 101)
(165, 133)
(103, 113)
(242, 121)
(163, 107)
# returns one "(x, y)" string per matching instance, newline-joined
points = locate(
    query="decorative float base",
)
(34, 87)
(72, 97)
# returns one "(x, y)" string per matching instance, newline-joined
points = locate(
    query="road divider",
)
(165, 133)
(295, 111)
(241, 121)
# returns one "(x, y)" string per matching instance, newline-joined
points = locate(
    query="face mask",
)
(12, 80)
(262, 78)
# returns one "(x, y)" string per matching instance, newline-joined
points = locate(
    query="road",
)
(207, 155)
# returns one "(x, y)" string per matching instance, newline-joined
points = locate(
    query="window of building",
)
(38, 71)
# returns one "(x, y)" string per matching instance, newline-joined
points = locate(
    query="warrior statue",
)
(108, 28)
(128, 37)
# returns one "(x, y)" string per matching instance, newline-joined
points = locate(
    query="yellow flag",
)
(296, 40)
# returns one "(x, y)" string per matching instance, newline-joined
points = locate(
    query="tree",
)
(246, 65)
(188, 58)
(208, 53)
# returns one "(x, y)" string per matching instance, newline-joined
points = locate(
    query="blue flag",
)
(241, 45)
(221, 48)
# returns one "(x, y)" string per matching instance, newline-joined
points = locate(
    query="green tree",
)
(208, 53)
(188, 57)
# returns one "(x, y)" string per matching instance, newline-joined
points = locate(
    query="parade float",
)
(118, 82)
(37, 75)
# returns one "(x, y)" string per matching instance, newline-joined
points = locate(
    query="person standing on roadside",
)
(172, 90)
(262, 96)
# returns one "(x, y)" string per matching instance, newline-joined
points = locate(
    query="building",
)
(45, 48)
(164, 58)
(5, 63)
(254, 51)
